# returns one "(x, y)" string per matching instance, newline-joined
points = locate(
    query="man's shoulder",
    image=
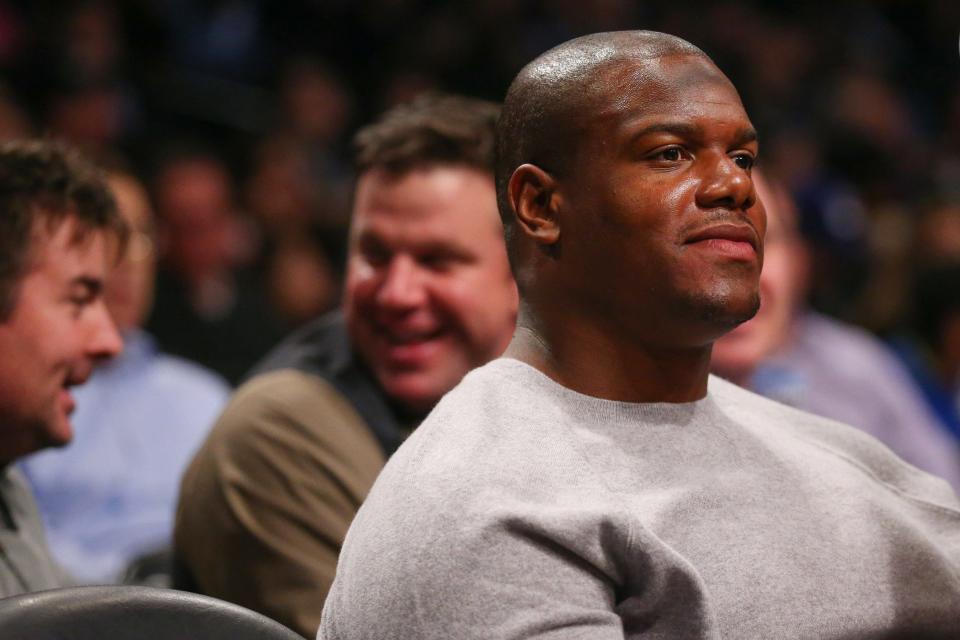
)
(146, 375)
(492, 401)
(321, 347)
(321, 350)
(189, 371)
(502, 430)
(499, 382)
(15, 489)
(282, 425)
(188, 380)
(289, 403)
(284, 387)
(830, 344)
(779, 420)
(844, 445)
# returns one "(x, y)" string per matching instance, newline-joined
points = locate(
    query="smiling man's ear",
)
(533, 195)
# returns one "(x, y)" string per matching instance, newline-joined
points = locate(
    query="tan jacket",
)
(266, 503)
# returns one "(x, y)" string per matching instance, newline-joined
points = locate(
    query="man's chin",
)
(416, 393)
(729, 311)
(56, 433)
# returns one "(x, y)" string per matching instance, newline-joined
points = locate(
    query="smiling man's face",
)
(58, 330)
(429, 293)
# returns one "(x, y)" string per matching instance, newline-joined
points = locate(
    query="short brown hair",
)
(432, 129)
(46, 181)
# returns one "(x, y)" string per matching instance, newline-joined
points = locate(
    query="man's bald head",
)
(543, 113)
(625, 190)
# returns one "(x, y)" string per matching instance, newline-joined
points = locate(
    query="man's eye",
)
(436, 262)
(78, 304)
(670, 154)
(376, 257)
(744, 161)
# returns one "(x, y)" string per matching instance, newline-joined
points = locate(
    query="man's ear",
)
(534, 198)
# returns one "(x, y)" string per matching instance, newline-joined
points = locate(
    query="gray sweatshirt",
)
(522, 509)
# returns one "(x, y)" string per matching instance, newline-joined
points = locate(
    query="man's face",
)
(429, 294)
(659, 226)
(199, 229)
(58, 330)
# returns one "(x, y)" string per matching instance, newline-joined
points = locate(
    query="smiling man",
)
(59, 230)
(596, 482)
(429, 295)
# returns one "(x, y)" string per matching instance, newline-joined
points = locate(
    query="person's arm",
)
(517, 570)
(265, 505)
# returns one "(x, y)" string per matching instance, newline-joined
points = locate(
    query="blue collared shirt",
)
(110, 495)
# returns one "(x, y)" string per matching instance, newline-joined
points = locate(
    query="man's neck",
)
(589, 364)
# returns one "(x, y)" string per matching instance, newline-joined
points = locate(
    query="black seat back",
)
(131, 613)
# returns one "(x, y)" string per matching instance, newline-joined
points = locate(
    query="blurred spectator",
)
(13, 32)
(92, 46)
(303, 281)
(281, 192)
(109, 498)
(90, 116)
(821, 365)
(210, 306)
(59, 231)
(304, 226)
(429, 295)
(931, 346)
(930, 342)
(315, 110)
(315, 104)
(14, 123)
(936, 238)
(89, 100)
(219, 37)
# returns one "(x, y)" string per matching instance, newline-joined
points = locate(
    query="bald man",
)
(596, 482)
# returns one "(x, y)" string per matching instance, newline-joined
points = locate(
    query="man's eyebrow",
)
(678, 128)
(743, 136)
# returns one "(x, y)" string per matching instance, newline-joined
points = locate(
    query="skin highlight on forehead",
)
(569, 78)
(581, 57)
(634, 93)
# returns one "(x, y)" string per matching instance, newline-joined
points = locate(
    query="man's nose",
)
(726, 185)
(402, 286)
(103, 340)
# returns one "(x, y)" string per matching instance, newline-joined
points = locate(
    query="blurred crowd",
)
(236, 114)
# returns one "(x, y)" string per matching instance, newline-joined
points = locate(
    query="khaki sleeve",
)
(266, 503)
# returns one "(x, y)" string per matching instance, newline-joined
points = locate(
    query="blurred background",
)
(237, 115)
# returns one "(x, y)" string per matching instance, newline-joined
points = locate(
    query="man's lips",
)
(726, 231)
(409, 349)
(739, 240)
(409, 337)
(67, 401)
(75, 377)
